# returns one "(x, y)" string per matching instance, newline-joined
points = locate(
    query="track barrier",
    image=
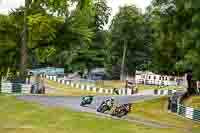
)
(92, 88)
(175, 106)
(18, 88)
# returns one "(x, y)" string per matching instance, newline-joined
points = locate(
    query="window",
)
(166, 78)
(172, 79)
(149, 77)
(154, 77)
(159, 78)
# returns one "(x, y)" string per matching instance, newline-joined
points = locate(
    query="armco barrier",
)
(163, 92)
(6, 87)
(159, 82)
(176, 106)
(122, 91)
(186, 112)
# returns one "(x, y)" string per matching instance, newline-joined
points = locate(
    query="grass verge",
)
(111, 84)
(22, 117)
(156, 110)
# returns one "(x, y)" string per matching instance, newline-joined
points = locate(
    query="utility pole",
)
(23, 49)
(123, 61)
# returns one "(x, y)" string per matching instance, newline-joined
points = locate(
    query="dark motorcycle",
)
(106, 105)
(121, 110)
(86, 100)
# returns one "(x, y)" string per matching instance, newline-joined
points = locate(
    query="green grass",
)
(194, 102)
(156, 110)
(63, 90)
(111, 84)
(22, 117)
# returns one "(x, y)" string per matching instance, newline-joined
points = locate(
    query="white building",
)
(150, 78)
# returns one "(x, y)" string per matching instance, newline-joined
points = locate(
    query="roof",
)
(47, 70)
(98, 70)
(145, 72)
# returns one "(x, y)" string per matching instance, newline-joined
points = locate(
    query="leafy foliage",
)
(129, 28)
(164, 39)
(176, 34)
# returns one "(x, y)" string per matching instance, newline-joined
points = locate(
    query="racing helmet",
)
(112, 99)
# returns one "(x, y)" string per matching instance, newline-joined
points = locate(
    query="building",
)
(97, 74)
(47, 71)
(150, 78)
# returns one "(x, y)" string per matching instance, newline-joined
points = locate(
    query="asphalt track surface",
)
(72, 102)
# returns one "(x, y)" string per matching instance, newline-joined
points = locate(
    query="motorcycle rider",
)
(107, 103)
(110, 102)
(118, 109)
(86, 100)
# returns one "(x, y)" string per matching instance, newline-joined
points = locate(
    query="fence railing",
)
(164, 92)
(88, 87)
(18, 88)
(6, 87)
(175, 105)
(187, 112)
(160, 82)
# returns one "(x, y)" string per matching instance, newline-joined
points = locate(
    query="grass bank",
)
(156, 110)
(22, 117)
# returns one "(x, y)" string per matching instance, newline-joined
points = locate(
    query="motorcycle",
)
(106, 105)
(121, 110)
(86, 100)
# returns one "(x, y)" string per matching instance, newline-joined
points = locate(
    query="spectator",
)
(189, 81)
(198, 87)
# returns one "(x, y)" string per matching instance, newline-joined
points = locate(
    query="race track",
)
(74, 102)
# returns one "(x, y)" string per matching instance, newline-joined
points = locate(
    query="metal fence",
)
(18, 88)
(161, 82)
(89, 87)
(6, 87)
(187, 112)
(164, 92)
(176, 106)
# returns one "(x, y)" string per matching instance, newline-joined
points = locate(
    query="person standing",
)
(198, 87)
(189, 82)
(43, 86)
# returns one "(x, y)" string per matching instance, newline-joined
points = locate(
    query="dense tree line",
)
(176, 36)
(130, 41)
(165, 39)
(57, 35)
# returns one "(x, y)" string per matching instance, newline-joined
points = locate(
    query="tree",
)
(23, 64)
(176, 42)
(9, 51)
(128, 39)
(57, 36)
(46, 30)
(74, 35)
(87, 55)
(42, 29)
